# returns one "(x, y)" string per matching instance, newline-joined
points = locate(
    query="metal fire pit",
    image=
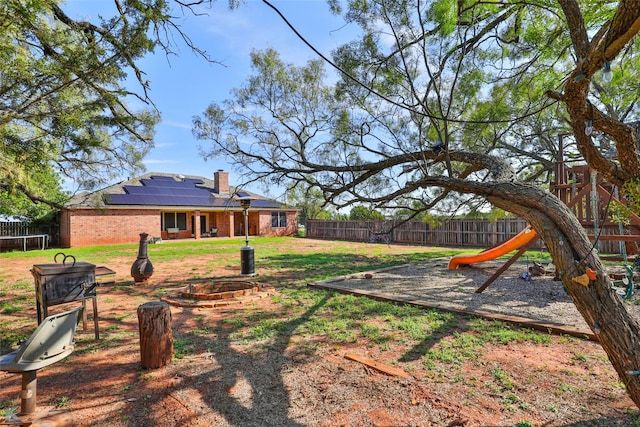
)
(65, 282)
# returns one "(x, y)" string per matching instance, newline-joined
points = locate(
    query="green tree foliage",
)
(310, 202)
(360, 212)
(64, 112)
(446, 104)
(35, 206)
(325, 215)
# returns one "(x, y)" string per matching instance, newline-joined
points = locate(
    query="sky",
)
(183, 86)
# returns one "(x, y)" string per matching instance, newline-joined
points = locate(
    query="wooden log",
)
(156, 338)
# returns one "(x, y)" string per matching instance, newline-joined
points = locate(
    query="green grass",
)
(269, 252)
(502, 378)
(63, 403)
(563, 387)
(330, 320)
(335, 317)
(503, 333)
(323, 319)
(10, 336)
(10, 308)
(167, 251)
(182, 347)
(309, 323)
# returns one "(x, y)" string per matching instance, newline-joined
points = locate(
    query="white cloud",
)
(163, 144)
(175, 124)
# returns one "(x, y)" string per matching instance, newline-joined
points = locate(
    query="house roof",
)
(161, 190)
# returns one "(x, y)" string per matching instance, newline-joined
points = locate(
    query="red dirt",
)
(295, 381)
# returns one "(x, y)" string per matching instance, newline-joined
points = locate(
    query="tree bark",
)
(601, 307)
(156, 338)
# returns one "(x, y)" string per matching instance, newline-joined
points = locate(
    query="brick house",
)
(170, 207)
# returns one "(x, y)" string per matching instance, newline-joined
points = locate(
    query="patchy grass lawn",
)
(280, 360)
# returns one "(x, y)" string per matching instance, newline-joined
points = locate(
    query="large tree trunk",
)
(573, 254)
(600, 306)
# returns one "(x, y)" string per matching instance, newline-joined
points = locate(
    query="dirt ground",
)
(294, 382)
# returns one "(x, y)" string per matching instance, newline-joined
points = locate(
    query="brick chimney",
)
(221, 181)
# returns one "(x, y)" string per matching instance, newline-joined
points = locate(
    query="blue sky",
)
(183, 86)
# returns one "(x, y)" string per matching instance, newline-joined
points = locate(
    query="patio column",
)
(230, 221)
(196, 225)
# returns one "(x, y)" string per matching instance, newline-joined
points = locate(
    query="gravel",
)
(540, 298)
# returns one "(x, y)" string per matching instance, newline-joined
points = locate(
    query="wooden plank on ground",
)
(379, 366)
(550, 327)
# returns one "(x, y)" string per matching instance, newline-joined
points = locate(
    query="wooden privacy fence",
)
(22, 229)
(476, 233)
(456, 233)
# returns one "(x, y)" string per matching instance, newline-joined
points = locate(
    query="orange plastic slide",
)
(517, 241)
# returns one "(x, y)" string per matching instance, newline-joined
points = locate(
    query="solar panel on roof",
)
(153, 183)
(142, 200)
(163, 180)
(130, 189)
(138, 199)
(167, 191)
(197, 192)
(169, 182)
(143, 190)
(157, 200)
(116, 199)
(160, 183)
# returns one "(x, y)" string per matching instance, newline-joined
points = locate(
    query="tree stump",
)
(156, 338)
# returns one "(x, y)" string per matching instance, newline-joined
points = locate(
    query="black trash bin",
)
(247, 261)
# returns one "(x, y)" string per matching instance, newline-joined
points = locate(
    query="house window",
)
(278, 220)
(174, 220)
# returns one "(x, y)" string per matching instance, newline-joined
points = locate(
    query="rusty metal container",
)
(61, 283)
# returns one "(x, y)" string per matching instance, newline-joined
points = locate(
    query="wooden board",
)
(549, 327)
(379, 366)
